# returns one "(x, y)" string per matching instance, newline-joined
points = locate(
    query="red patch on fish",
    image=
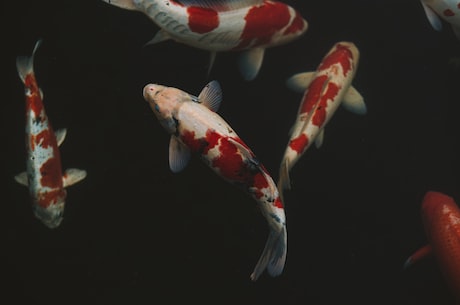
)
(202, 20)
(298, 144)
(48, 198)
(448, 13)
(278, 203)
(43, 139)
(34, 101)
(319, 117)
(313, 94)
(262, 22)
(341, 55)
(51, 173)
(296, 26)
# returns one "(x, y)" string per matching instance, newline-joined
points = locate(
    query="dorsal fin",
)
(211, 96)
(220, 5)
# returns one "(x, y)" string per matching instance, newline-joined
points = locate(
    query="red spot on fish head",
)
(341, 54)
(299, 144)
(262, 22)
(54, 196)
(433, 203)
(448, 13)
(202, 20)
(298, 25)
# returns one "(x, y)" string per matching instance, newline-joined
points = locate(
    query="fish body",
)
(441, 220)
(196, 128)
(447, 10)
(216, 26)
(323, 91)
(44, 176)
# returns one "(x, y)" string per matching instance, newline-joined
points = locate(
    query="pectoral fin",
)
(418, 255)
(60, 135)
(211, 96)
(299, 82)
(434, 19)
(160, 36)
(354, 102)
(179, 155)
(72, 176)
(22, 179)
(250, 63)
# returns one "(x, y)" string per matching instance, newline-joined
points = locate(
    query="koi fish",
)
(195, 127)
(447, 10)
(44, 176)
(323, 91)
(232, 25)
(441, 219)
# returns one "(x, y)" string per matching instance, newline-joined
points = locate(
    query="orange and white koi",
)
(196, 128)
(447, 10)
(44, 176)
(441, 219)
(231, 25)
(323, 91)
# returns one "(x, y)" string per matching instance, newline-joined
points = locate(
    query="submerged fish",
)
(323, 91)
(44, 176)
(196, 128)
(231, 25)
(448, 10)
(441, 219)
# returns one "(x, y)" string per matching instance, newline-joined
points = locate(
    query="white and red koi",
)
(441, 219)
(223, 25)
(44, 176)
(196, 128)
(447, 10)
(323, 91)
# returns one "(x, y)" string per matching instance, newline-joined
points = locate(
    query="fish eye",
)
(157, 108)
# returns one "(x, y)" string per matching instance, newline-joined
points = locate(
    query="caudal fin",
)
(273, 256)
(284, 181)
(25, 64)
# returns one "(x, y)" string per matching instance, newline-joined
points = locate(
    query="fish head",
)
(164, 102)
(52, 215)
(348, 49)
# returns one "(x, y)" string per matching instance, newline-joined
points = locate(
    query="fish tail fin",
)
(25, 64)
(273, 256)
(284, 182)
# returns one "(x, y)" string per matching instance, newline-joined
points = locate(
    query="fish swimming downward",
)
(44, 176)
(441, 219)
(447, 10)
(323, 91)
(223, 25)
(196, 128)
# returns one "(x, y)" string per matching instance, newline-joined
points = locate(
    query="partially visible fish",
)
(447, 10)
(323, 91)
(44, 176)
(441, 219)
(232, 25)
(196, 128)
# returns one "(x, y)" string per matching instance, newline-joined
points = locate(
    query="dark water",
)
(134, 233)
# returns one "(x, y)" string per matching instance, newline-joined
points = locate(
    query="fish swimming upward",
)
(441, 219)
(323, 91)
(44, 176)
(196, 128)
(448, 10)
(223, 25)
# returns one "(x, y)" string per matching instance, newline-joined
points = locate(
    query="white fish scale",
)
(439, 6)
